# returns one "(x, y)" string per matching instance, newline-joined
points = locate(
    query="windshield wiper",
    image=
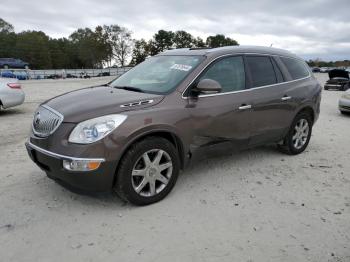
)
(129, 88)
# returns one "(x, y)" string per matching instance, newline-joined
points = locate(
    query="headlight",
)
(95, 129)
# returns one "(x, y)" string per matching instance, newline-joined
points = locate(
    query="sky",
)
(310, 28)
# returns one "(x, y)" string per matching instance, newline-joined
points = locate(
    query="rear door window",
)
(262, 71)
(297, 68)
(229, 72)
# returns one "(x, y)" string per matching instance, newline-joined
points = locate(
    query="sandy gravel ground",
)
(258, 205)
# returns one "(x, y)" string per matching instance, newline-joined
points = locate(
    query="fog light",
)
(81, 165)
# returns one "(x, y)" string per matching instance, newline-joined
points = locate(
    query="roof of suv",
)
(229, 50)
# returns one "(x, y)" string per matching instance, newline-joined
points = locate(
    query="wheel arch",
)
(170, 135)
(309, 110)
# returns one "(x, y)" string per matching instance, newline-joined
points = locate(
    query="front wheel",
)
(298, 136)
(148, 171)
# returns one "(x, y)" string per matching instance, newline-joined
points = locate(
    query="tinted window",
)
(229, 72)
(296, 68)
(261, 70)
(278, 72)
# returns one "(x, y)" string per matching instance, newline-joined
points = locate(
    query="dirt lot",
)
(259, 205)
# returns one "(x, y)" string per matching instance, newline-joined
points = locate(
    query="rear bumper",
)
(99, 180)
(344, 105)
(13, 98)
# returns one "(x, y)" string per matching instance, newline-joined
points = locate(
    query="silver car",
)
(11, 93)
(344, 103)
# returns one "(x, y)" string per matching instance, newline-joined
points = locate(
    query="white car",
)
(344, 103)
(11, 93)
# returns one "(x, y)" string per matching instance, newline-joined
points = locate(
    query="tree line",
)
(103, 46)
(319, 63)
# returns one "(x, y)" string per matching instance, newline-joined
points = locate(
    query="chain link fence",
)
(24, 74)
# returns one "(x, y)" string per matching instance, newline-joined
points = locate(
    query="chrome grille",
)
(46, 121)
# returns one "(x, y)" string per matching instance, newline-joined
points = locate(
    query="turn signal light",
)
(81, 165)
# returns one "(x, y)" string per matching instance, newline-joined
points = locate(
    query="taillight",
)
(14, 85)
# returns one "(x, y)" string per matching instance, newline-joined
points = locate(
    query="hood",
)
(87, 103)
(338, 73)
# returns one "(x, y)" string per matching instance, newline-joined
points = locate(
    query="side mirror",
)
(208, 86)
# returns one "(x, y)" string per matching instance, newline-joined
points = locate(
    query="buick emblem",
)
(37, 118)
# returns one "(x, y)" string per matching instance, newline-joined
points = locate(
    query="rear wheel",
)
(6, 66)
(298, 136)
(148, 171)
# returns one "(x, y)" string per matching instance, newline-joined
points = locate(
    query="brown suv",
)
(136, 133)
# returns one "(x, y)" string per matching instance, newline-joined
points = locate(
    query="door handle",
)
(285, 98)
(244, 107)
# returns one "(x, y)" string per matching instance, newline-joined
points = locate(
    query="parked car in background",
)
(71, 76)
(84, 75)
(344, 103)
(13, 63)
(53, 76)
(338, 79)
(103, 74)
(136, 133)
(11, 93)
(316, 70)
(7, 74)
(20, 75)
(324, 69)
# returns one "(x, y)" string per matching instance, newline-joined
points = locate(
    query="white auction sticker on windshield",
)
(181, 67)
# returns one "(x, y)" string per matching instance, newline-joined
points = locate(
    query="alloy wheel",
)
(152, 172)
(301, 133)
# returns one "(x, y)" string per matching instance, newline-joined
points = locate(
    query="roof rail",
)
(200, 48)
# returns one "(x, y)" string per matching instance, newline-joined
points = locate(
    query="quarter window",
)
(261, 70)
(278, 72)
(297, 68)
(229, 72)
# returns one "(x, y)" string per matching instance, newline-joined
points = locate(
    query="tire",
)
(134, 177)
(6, 67)
(325, 88)
(26, 67)
(290, 145)
(344, 112)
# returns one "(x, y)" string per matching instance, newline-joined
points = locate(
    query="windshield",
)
(158, 74)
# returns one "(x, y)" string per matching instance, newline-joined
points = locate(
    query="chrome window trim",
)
(61, 157)
(244, 90)
(59, 123)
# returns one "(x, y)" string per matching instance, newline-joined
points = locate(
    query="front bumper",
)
(99, 180)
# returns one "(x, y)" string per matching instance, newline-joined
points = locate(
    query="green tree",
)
(140, 52)
(5, 27)
(91, 46)
(162, 40)
(120, 40)
(182, 39)
(220, 40)
(199, 42)
(33, 47)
